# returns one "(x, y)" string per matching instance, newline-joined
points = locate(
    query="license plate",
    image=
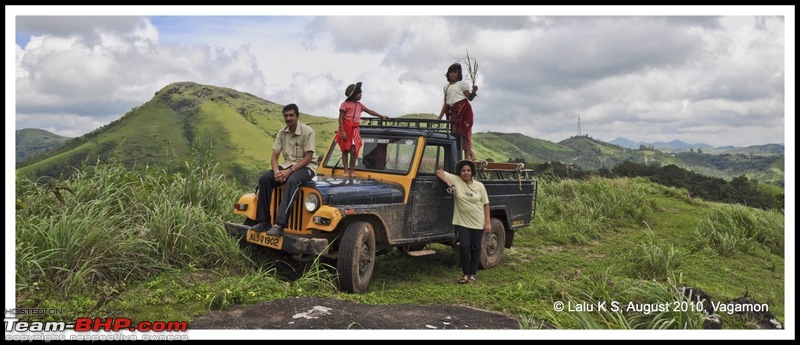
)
(261, 238)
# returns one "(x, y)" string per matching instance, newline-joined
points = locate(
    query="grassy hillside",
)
(504, 147)
(601, 240)
(757, 150)
(33, 141)
(236, 129)
(183, 120)
(764, 168)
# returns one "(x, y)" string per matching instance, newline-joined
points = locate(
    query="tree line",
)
(740, 190)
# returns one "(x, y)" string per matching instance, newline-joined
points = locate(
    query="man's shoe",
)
(275, 230)
(261, 226)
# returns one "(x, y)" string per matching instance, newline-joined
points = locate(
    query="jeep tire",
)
(356, 257)
(492, 244)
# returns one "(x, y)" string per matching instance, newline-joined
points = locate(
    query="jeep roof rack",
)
(503, 171)
(431, 125)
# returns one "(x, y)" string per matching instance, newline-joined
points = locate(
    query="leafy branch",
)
(472, 67)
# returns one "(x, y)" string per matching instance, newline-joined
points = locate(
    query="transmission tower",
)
(579, 124)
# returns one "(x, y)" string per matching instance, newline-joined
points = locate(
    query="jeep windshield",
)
(379, 154)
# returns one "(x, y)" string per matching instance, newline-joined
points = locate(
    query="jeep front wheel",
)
(356, 257)
(492, 244)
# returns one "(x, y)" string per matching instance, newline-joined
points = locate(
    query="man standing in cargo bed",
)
(296, 141)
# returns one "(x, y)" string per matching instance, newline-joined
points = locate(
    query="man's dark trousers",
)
(267, 183)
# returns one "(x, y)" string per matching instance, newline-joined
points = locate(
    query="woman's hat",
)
(461, 164)
(352, 90)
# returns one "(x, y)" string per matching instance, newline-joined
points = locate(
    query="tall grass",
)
(576, 212)
(150, 244)
(652, 260)
(735, 228)
(629, 304)
(118, 226)
(607, 225)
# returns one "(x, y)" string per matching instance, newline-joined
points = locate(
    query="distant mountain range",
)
(676, 146)
(187, 121)
(32, 141)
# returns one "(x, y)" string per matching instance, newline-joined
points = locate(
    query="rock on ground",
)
(325, 313)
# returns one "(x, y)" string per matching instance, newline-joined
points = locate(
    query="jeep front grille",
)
(294, 221)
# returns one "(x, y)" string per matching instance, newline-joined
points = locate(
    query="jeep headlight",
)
(311, 202)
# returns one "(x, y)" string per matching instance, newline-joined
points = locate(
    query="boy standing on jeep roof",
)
(349, 135)
(296, 141)
(457, 108)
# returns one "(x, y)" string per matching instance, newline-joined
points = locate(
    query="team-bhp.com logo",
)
(54, 330)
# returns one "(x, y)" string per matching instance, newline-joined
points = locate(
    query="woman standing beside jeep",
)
(470, 215)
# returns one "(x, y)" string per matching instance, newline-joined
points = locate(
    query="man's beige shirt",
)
(294, 146)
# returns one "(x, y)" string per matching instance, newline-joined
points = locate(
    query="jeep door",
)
(432, 206)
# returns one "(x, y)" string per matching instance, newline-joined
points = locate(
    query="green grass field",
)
(151, 246)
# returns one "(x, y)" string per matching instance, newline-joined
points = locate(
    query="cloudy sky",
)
(714, 75)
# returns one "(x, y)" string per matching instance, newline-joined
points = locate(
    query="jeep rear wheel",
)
(356, 257)
(492, 244)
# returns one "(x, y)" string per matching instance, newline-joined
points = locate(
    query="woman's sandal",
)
(472, 279)
(463, 280)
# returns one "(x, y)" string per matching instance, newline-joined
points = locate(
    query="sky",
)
(716, 75)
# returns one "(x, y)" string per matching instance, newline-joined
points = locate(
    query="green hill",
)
(186, 120)
(33, 141)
